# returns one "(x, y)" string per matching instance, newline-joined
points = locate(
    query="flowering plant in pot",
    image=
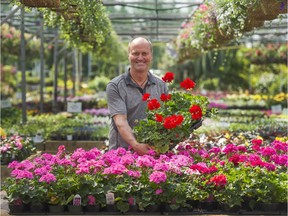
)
(172, 119)
(15, 148)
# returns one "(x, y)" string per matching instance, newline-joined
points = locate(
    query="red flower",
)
(187, 84)
(146, 96)
(219, 180)
(165, 97)
(153, 104)
(173, 121)
(168, 77)
(158, 117)
(196, 112)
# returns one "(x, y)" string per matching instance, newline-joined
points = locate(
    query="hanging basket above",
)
(41, 3)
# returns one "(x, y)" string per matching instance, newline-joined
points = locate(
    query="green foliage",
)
(153, 132)
(99, 83)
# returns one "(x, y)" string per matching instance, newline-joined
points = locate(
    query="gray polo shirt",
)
(125, 97)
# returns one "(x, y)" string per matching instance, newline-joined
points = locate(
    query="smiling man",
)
(125, 92)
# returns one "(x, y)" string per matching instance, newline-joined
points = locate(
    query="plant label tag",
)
(110, 200)
(77, 200)
(5, 103)
(74, 107)
(276, 109)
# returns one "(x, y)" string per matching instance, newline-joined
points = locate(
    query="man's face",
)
(140, 55)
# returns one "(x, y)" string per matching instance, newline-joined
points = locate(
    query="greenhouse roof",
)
(158, 20)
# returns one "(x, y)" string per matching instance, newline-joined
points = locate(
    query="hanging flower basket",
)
(250, 24)
(268, 9)
(41, 3)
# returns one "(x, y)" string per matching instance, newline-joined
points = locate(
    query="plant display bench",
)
(70, 145)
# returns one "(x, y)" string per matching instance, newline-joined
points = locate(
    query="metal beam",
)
(10, 15)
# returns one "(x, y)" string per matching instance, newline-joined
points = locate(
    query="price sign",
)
(74, 107)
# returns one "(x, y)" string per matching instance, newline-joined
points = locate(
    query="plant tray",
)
(41, 3)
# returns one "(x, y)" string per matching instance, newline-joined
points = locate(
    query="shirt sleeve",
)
(116, 103)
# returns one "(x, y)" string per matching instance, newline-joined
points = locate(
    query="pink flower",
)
(157, 177)
(115, 169)
(91, 200)
(230, 148)
(145, 161)
(9, 36)
(133, 173)
(131, 201)
(21, 174)
(48, 178)
(267, 151)
(158, 191)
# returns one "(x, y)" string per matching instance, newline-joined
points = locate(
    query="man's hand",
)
(141, 148)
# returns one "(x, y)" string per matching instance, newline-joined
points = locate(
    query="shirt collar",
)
(151, 78)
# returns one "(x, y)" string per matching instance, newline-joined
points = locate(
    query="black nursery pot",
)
(18, 208)
(111, 208)
(153, 208)
(38, 208)
(92, 208)
(209, 206)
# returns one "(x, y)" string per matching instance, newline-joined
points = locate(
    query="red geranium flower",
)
(173, 121)
(165, 97)
(187, 84)
(146, 96)
(153, 104)
(196, 112)
(168, 77)
(158, 117)
(218, 180)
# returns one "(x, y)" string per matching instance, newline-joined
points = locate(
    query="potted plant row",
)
(234, 177)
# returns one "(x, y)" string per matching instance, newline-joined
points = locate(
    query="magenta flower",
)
(91, 200)
(158, 191)
(127, 159)
(48, 178)
(161, 167)
(267, 151)
(280, 146)
(157, 177)
(230, 148)
(242, 148)
(117, 169)
(145, 161)
(281, 160)
(42, 170)
(133, 173)
(131, 201)
(21, 174)
(215, 150)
